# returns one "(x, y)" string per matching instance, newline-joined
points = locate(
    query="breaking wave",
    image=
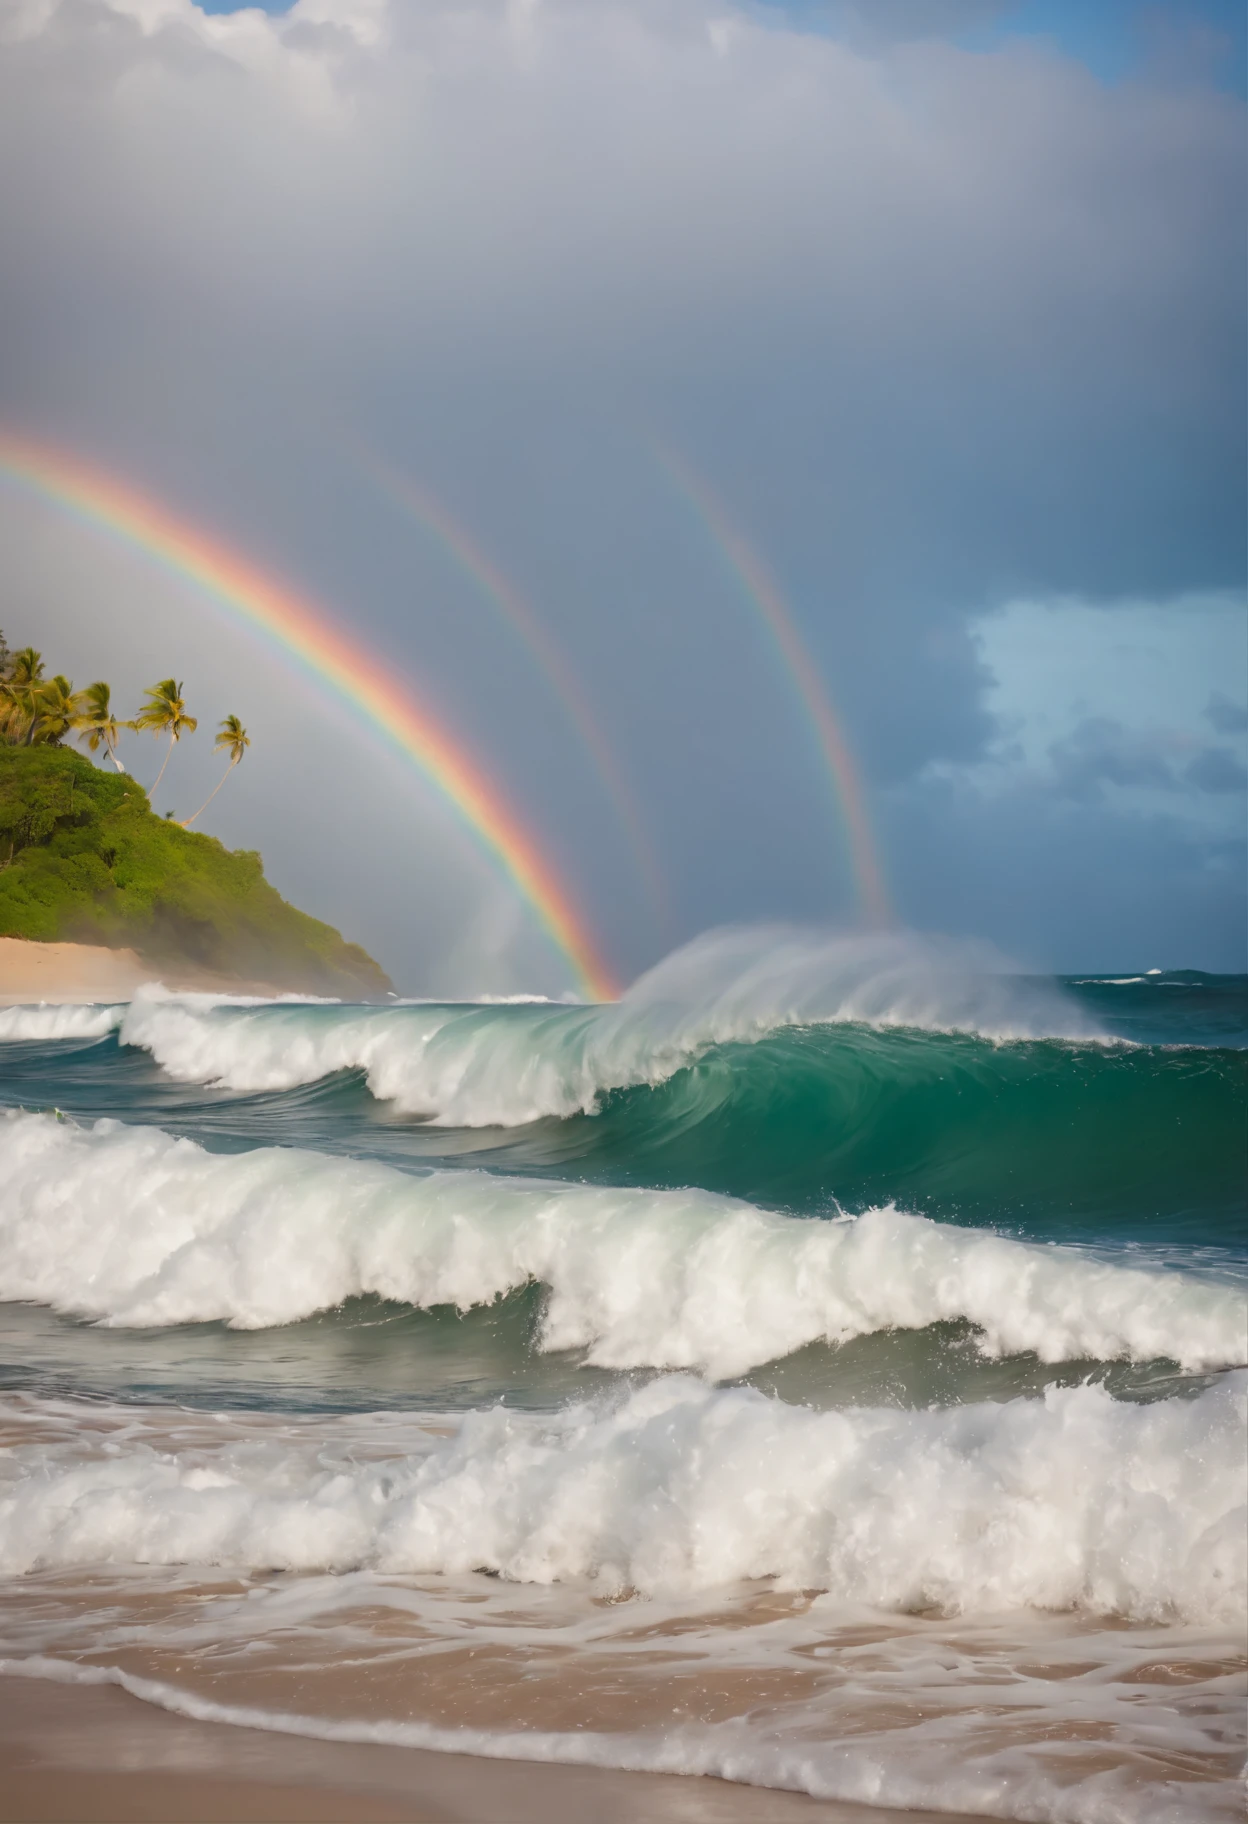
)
(505, 1064)
(50, 1021)
(135, 1227)
(1076, 1501)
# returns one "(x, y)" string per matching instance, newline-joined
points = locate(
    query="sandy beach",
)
(61, 973)
(75, 1752)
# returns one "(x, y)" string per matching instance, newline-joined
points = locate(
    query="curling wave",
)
(474, 1065)
(135, 1227)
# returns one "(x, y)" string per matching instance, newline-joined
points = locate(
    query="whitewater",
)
(848, 1318)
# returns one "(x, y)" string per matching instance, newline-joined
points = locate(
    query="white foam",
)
(134, 1227)
(484, 1065)
(48, 1020)
(1072, 1502)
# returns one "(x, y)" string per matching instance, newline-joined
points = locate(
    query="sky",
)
(773, 439)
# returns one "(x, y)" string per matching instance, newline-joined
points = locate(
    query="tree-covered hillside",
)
(84, 859)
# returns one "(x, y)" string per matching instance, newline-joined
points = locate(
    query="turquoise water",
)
(1130, 1143)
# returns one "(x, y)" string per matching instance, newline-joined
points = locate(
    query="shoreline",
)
(94, 1754)
(63, 974)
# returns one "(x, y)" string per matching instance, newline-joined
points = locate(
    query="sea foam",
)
(135, 1227)
(1074, 1501)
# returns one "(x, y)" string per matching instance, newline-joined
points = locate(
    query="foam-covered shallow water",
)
(823, 1368)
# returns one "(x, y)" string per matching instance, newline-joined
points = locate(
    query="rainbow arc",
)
(304, 632)
(466, 553)
(772, 613)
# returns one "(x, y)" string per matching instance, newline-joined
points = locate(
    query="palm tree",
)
(25, 666)
(165, 714)
(97, 722)
(54, 708)
(234, 737)
(18, 695)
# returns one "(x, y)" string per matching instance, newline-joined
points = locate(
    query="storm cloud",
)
(945, 329)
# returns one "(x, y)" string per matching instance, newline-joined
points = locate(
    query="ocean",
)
(823, 1368)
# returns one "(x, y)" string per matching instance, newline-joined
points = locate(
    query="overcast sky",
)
(943, 301)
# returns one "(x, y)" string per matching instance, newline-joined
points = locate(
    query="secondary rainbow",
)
(418, 503)
(772, 610)
(305, 633)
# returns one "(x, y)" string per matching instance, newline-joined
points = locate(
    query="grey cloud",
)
(1077, 889)
(1217, 769)
(1227, 717)
(1100, 751)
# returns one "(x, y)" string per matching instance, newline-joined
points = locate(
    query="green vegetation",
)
(84, 859)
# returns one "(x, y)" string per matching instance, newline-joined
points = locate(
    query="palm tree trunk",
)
(212, 794)
(164, 763)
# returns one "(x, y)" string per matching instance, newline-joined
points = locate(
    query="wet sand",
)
(93, 1753)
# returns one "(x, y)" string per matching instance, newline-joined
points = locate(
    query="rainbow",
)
(765, 598)
(304, 632)
(417, 503)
